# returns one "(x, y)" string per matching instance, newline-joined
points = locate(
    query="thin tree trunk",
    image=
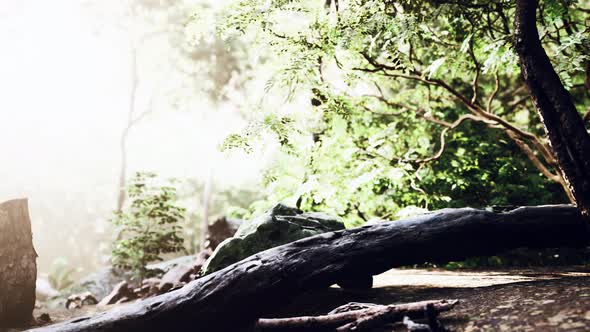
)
(565, 128)
(235, 297)
(131, 120)
(18, 267)
(206, 202)
(123, 171)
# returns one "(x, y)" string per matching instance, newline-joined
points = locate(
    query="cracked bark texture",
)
(564, 126)
(18, 267)
(232, 299)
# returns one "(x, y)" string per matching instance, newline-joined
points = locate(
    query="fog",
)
(65, 93)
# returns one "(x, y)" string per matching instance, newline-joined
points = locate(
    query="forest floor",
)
(539, 299)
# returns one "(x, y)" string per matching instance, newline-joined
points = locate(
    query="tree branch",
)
(475, 84)
(342, 320)
(390, 104)
(493, 95)
(533, 158)
(444, 133)
(480, 113)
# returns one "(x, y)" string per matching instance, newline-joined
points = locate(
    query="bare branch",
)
(478, 110)
(475, 85)
(418, 111)
(477, 70)
(391, 313)
(493, 95)
(479, 114)
(519, 101)
(555, 177)
(382, 113)
(532, 157)
(391, 104)
(443, 134)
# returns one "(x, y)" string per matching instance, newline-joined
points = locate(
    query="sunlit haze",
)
(65, 92)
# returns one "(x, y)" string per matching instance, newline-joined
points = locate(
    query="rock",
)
(200, 262)
(43, 290)
(158, 269)
(181, 274)
(174, 277)
(123, 300)
(121, 291)
(76, 301)
(278, 226)
(101, 283)
(149, 287)
(221, 229)
(43, 319)
(174, 272)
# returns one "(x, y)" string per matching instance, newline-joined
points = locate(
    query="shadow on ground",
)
(540, 299)
(525, 300)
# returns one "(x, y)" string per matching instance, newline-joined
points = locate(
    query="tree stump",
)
(18, 266)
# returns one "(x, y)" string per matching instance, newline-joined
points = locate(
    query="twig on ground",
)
(355, 317)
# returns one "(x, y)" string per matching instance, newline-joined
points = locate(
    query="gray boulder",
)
(277, 226)
(102, 282)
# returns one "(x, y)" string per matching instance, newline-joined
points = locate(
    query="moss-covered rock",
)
(277, 226)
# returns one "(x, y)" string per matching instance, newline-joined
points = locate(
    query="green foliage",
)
(523, 258)
(387, 81)
(61, 274)
(488, 172)
(224, 201)
(150, 226)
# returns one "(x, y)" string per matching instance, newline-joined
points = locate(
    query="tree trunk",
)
(564, 125)
(131, 121)
(18, 267)
(235, 297)
(122, 190)
(206, 202)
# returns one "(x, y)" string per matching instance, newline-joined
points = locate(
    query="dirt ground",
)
(545, 299)
(513, 300)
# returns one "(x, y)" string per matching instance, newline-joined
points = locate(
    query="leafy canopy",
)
(412, 104)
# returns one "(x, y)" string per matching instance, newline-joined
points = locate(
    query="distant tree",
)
(184, 71)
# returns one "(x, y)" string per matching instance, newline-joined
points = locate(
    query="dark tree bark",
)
(18, 266)
(564, 125)
(235, 297)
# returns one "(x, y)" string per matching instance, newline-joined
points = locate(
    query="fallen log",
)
(236, 296)
(344, 321)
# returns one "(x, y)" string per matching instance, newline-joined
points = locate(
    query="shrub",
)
(149, 227)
